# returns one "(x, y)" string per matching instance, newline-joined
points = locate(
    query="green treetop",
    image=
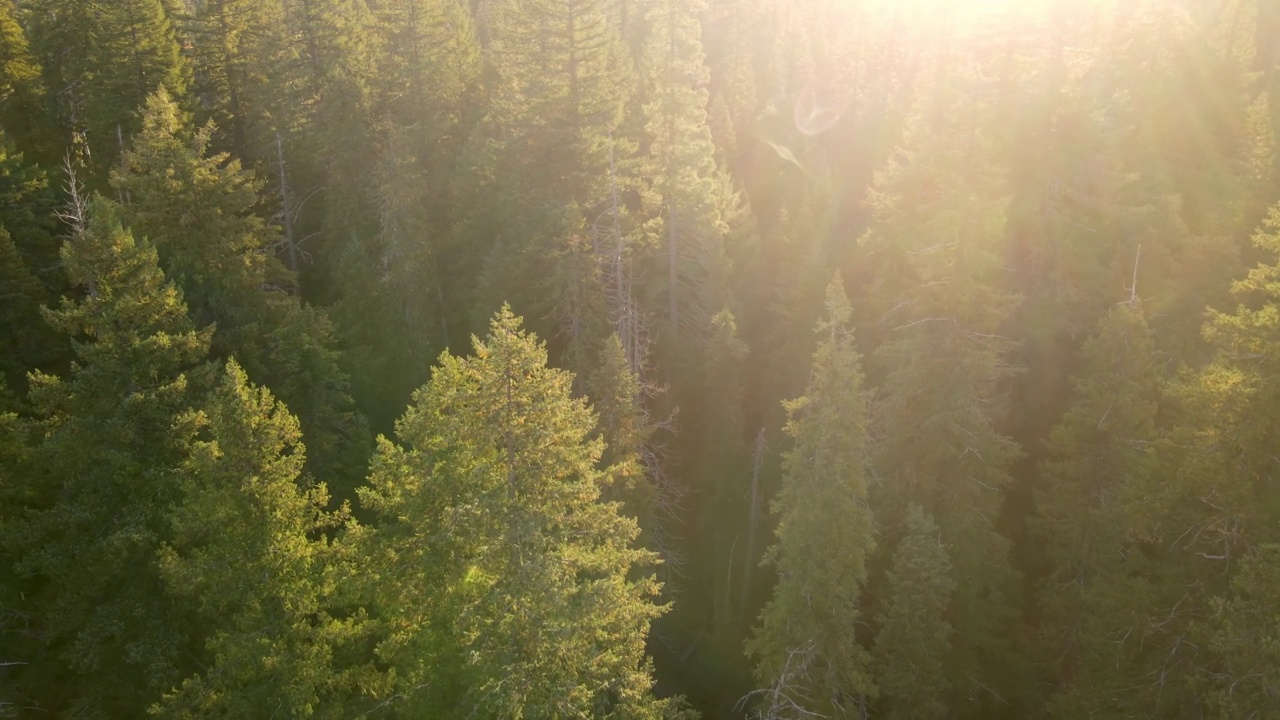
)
(807, 652)
(693, 198)
(105, 478)
(102, 60)
(1095, 453)
(199, 210)
(914, 638)
(248, 547)
(509, 587)
(22, 109)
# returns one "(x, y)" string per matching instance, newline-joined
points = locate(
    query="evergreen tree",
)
(1182, 583)
(29, 211)
(624, 426)
(509, 587)
(102, 60)
(21, 87)
(808, 654)
(914, 639)
(27, 340)
(104, 479)
(199, 211)
(241, 60)
(1095, 454)
(720, 476)
(15, 622)
(395, 309)
(431, 61)
(1232, 407)
(693, 197)
(558, 98)
(249, 548)
(1244, 638)
(944, 362)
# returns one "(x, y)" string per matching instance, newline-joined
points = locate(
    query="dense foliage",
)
(640, 359)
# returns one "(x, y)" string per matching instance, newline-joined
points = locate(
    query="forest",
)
(640, 359)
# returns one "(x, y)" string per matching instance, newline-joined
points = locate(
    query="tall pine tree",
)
(508, 586)
(809, 659)
(199, 210)
(104, 479)
(249, 548)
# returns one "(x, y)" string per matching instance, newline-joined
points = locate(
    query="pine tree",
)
(90, 534)
(714, 435)
(624, 426)
(28, 210)
(509, 587)
(249, 548)
(15, 623)
(27, 340)
(1188, 527)
(1244, 638)
(944, 362)
(914, 638)
(102, 60)
(396, 307)
(22, 110)
(199, 210)
(560, 87)
(693, 197)
(808, 654)
(241, 60)
(1096, 452)
(431, 60)
(1232, 405)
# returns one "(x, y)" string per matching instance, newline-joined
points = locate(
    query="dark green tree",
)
(29, 211)
(561, 82)
(27, 340)
(914, 638)
(693, 198)
(101, 60)
(1096, 453)
(90, 533)
(22, 108)
(809, 658)
(937, 306)
(199, 210)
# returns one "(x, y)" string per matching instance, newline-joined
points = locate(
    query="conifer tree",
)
(241, 60)
(509, 586)
(944, 361)
(561, 84)
(15, 624)
(693, 198)
(102, 60)
(914, 639)
(21, 86)
(431, 60)
(1184, 579)
(1096, 453)
(1244, 638)
(29, 211)
(90, 534)
(27, 340)
(396, 307)
(807, 651)
(1234, 402)
(248, 548)
(198, 209)
(624, 426)
(719, 472)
